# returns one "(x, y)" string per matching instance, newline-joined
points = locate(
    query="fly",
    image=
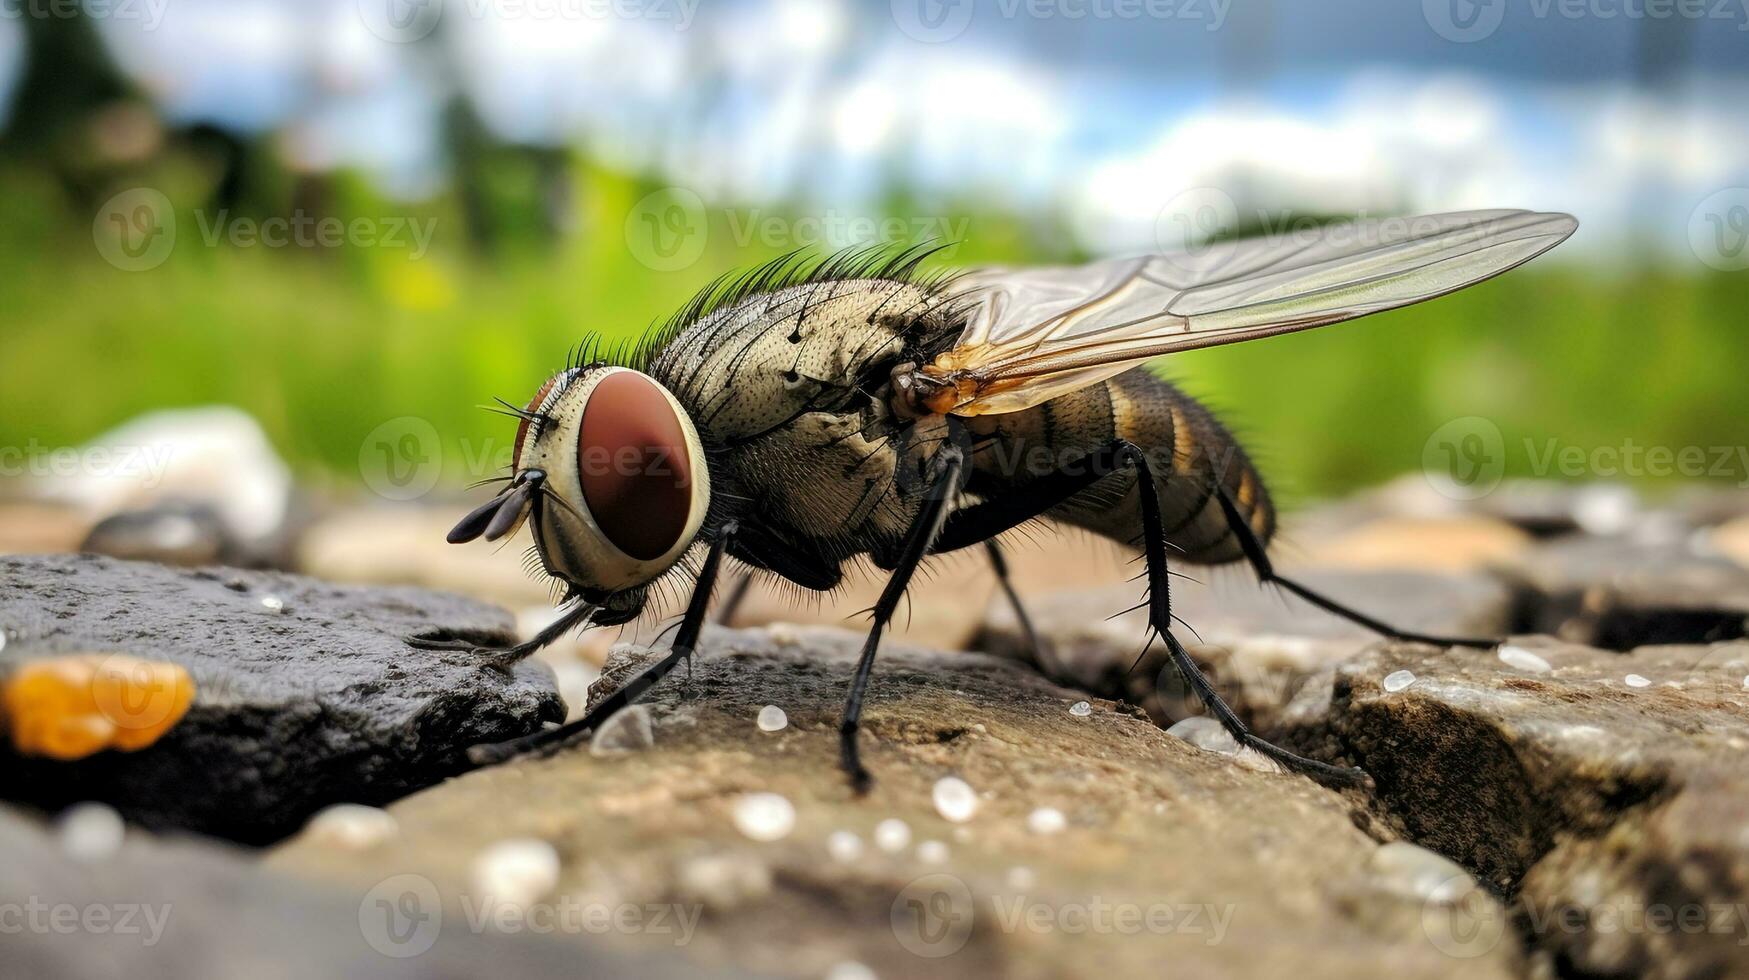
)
(804, 416)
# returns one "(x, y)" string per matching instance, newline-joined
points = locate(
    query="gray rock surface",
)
(305, 692)
(1606, 794)
(1169, 857)
(189, 910)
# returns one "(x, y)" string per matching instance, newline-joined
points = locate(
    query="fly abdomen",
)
(1186, 447)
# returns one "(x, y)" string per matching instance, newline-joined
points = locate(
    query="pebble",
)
(1398, 680)
(955, 799)
(1081, 709)
(3, 646)
(1522, 659)
(772, 719)
(844, 846)
(91, 831)
(892, 834)
(932, 852)
(764, 816)
(724, 881)
(1205, 733)
(1046, 820)
(520, 871)
(352, 826)
(273, 603)
(629, 730)
(1021, 878)
(1414, 872)
(1635, 680)
(850, 970)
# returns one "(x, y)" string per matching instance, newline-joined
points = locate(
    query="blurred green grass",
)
(324, 345)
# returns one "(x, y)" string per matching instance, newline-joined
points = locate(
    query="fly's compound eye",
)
(635, 465)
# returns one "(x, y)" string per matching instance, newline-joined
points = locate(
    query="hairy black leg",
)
(503, 658)
(948, 463)
(1042, 657)
(732, 602)
(1003, 512)
(1160, 618)
(684, 641)
(1258, 558)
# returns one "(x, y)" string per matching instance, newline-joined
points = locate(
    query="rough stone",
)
(305, 693)
(187, 909)
(1613, 814)
(1280, 877)
(1618, 593)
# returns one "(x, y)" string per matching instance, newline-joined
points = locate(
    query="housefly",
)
(807, 415)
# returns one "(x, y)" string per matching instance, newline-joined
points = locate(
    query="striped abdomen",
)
(1185, 445)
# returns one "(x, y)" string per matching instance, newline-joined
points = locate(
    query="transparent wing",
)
(1034, 334)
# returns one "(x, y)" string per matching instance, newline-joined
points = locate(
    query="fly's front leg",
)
(502, 658)
(947, 466)
(1042, 658)
(684, 641)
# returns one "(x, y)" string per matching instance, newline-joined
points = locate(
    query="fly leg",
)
(503, 658)
(947, 464)
(989, 518)
(1042, 657)
(1256, 556)
(684, 641)
(732, 602)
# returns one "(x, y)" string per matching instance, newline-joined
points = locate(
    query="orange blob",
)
(72, 706)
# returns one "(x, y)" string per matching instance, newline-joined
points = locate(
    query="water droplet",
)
(3, 646)
(518, 872)
(1046, 820)
(772, 719)
(1398, 680)
(1205, 733)
(91, 831)
(1414, 872)
(1635, 680)
(1080, 709)
(892, 834)
(273, 603)
(764, 816)
(844, 846)
(352, 827)
(850, 970)
(932, 852)
(1021, 878)
(1522, 659)
(628, 730)
(955, 799)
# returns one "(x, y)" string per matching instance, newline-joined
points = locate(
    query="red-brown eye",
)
(522, 426)
(634, 465)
